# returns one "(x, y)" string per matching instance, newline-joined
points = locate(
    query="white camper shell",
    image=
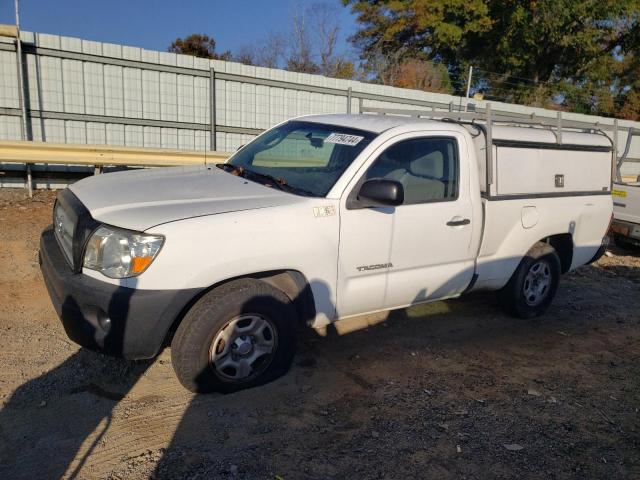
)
(321, 218)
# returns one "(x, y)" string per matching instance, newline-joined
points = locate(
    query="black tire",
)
(524, 299)
(192, 349)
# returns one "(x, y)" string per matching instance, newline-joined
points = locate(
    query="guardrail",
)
(102, 155)
(99, 156)
(29, 153)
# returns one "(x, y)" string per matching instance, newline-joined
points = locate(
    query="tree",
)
(198, 45)
(628, 100)
(301, 56)
(630, 106)
(343, 68)
(272, 49)
(313, 42)
(327, 31)
(398, 70)
(538, 47)
(310, 46)
(422, 75)
(268, 52)
(246, 55)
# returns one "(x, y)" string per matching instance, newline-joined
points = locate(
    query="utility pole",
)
(23, 105)
(466, 103)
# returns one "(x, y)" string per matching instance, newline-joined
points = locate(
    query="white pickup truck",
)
(625, 227)
(318, 219)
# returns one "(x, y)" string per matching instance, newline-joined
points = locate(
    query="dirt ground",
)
(452, 390)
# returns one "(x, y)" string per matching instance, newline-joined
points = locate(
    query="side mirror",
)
(381, 192)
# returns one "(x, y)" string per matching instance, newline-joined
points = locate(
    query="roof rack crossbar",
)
(557, 124)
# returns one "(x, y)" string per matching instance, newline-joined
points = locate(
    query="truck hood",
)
(141, 199)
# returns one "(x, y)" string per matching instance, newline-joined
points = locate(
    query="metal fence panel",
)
(9, 80)
(133, 97)
(81, 91)
(150, 88)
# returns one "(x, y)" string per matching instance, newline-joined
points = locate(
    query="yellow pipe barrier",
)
(108, 155)
(102, 155)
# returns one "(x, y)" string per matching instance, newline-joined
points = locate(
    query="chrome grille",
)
(64, 229)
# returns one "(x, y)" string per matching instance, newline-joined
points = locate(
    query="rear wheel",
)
(237, 336)
(534, 284)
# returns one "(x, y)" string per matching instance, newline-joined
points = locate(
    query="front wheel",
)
(237, 336)
(534, 284)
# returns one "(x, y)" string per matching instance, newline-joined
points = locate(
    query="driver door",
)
(391, 257)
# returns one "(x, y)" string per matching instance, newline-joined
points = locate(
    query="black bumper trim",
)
(120, 321)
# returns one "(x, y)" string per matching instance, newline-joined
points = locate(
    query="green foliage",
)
(198, 45)
(572, 54)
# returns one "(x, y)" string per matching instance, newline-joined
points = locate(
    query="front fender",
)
(204, 251)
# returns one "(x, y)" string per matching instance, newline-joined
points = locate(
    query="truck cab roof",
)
(369, 123)
(381, 123)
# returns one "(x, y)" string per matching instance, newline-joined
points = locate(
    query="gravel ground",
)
(450, 390)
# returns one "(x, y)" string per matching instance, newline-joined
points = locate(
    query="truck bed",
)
(533, 187)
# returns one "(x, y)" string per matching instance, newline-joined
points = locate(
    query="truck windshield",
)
(305, 158)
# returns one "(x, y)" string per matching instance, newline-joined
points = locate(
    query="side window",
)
(426, 167)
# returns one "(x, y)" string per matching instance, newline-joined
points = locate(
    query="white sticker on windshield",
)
(343, 139)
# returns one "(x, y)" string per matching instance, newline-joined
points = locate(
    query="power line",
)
(508, 75)
(505, 87)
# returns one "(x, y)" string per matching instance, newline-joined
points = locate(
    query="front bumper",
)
(120, 321)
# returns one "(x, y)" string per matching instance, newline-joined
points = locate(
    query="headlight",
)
(121, 253)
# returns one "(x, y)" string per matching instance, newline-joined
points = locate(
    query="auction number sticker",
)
(619, 193)
(343, 139)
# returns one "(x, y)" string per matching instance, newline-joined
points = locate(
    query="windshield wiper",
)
(279, 183)
(269, 180)
(229, 167)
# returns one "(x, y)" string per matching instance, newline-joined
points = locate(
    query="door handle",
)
(458, 222)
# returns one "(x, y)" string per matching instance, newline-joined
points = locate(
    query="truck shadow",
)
(91, 385)
(242, 433)
(624, 250)
(245, 434)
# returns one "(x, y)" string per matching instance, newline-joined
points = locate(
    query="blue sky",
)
(153, 24)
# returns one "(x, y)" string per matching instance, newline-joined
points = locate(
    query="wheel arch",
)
(515, 296)
(563, 245)
(292, 283)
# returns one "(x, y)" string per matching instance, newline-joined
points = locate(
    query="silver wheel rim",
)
(243, 348)
(537, 283)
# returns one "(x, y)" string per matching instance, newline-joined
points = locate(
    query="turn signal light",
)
(140, 264)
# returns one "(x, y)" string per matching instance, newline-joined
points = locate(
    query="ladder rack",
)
(487, 117)
(633, 132)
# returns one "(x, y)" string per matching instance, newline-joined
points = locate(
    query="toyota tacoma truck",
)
(318, 219)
